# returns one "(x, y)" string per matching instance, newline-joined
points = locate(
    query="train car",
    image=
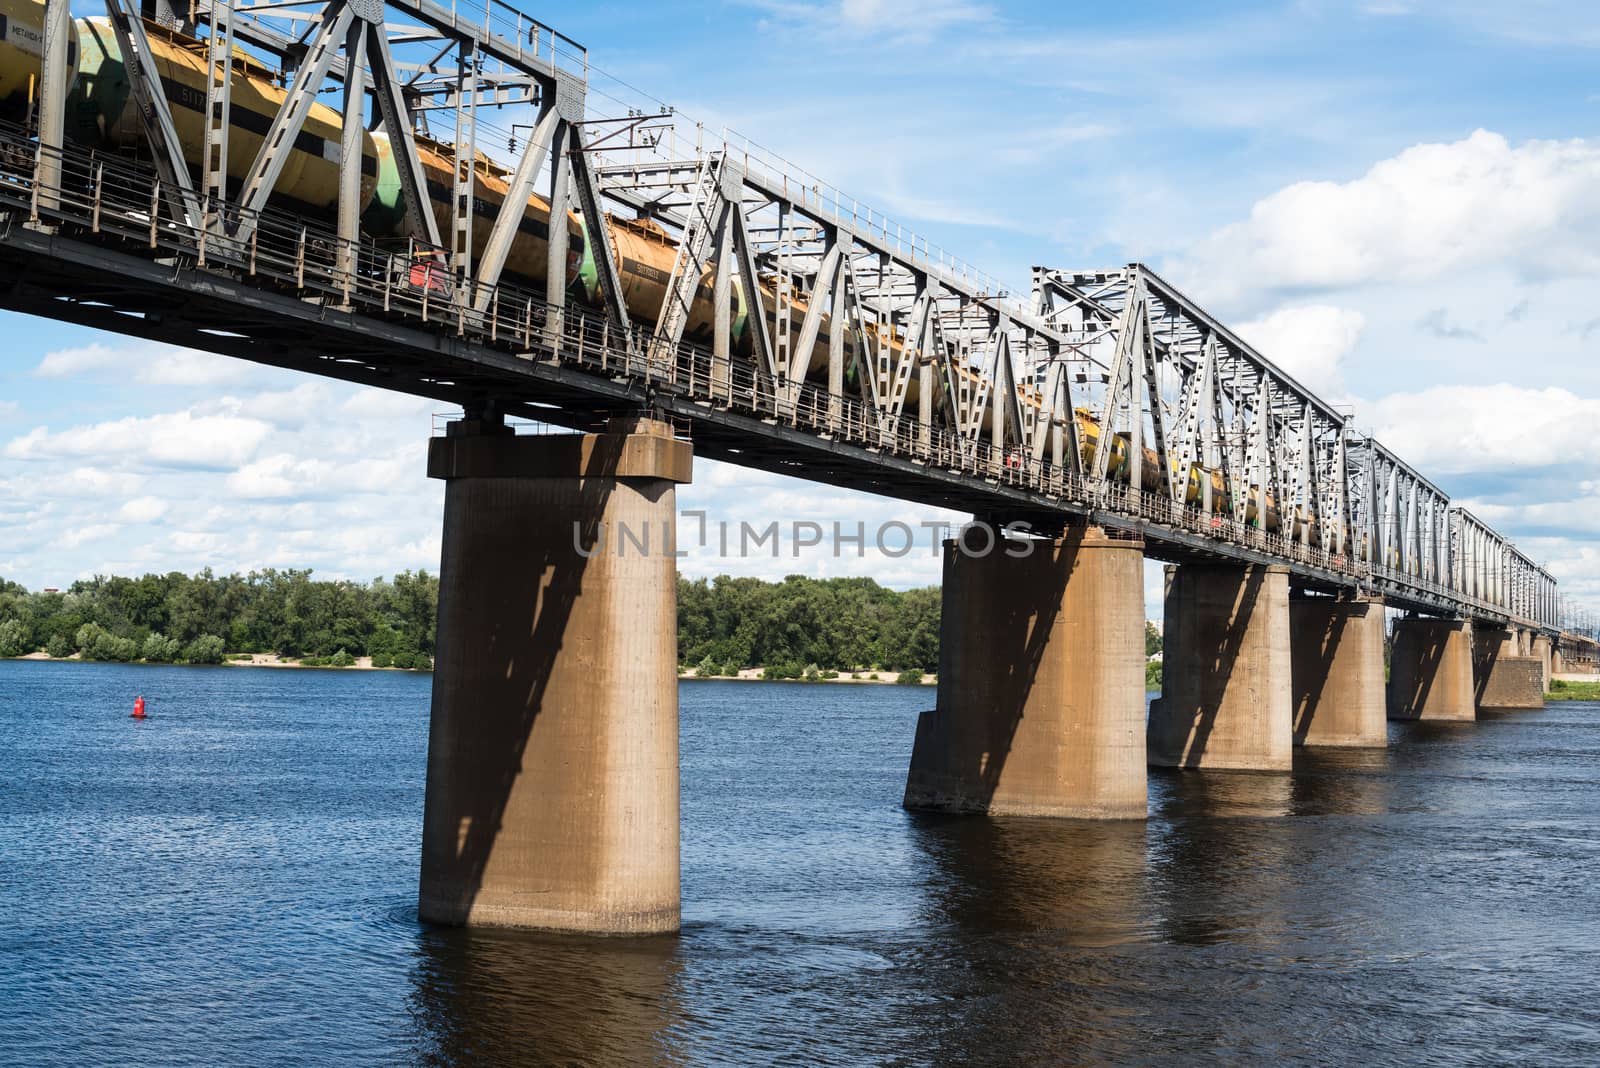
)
(22, 58)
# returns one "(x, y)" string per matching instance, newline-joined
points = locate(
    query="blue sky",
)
(1398, 201)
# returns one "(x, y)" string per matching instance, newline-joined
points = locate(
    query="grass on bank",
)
(1562, 690)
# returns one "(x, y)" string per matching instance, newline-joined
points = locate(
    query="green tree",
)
(160, 650)
(206, 649)
(14, 638)
(1152, 675)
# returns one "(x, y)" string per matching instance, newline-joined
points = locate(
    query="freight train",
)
(101, 112)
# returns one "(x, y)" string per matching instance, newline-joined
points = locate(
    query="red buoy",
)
(138, 707)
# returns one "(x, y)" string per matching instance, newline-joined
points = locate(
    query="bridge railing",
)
(114, 200)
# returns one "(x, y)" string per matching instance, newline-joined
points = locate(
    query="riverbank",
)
(866, 678)
(259, 660)
(364, 663)
(1573, 690)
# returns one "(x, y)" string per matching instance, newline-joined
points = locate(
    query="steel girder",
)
(918, 340)
(408, 57)
(52, 109)
(1155, 368)
(894, 318)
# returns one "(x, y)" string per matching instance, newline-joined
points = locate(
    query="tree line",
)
(724, 624)
(199, 619)
(840, 624)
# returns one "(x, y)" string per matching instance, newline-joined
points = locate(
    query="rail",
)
(115, 201)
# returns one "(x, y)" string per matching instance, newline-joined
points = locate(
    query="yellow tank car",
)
(105, 110)
(21, 56)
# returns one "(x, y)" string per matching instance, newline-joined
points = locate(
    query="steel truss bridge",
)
(145, 245)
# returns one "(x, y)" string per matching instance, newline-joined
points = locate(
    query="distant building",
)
(52, 589)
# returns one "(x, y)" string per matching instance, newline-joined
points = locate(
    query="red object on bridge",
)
(138, 708)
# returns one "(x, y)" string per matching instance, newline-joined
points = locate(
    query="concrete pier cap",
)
(1226, 690)
(552, 790)
(1041, 708)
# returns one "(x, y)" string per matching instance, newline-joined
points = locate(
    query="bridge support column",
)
(1430, 670)
(1041, 706)
(1545, 649)
(1226, 692)
(1337, 654)
(552, 793)
(1503, 676)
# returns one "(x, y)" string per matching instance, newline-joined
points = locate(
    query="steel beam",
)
(52, 101)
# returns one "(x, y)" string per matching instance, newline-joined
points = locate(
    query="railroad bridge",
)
(169, 173)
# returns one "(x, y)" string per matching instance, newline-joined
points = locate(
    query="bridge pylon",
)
(552, 794)
(1506, 672)
(1041, 707)
(1337, 650)
(1430, 670)
(1226, 689)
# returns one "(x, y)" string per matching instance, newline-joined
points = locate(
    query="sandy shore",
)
(860, 677)
(265, 660)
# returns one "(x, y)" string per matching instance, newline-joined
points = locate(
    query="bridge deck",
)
(99, 260)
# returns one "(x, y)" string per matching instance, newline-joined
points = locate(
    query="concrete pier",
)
(1544, 650)
(1430, 670)
(1227, 693)
(1505, 677)
(1041, 706)
(1337, 668)
(552, 793)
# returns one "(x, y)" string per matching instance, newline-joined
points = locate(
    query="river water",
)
(233, 881)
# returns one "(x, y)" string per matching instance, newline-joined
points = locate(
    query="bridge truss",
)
(868, 357)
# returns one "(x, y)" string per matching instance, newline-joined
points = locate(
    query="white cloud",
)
(387, 404)
(143, 510)
(190, 541)
(97, 532)
(733, 497)
(186, 367)
(143, 361)
(83, 359)
(1309, 342)
(284, 475)
(280, 475)
(309, 400)
(1490, 429)
(1432, 210)
(92, 482)
(178, 439)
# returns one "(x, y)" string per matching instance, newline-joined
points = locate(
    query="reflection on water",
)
(1083, 881)
(1219, 795)
(1028, 916)
(508, 998)
(238, 877)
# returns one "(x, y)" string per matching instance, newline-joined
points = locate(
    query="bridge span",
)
(664, 297)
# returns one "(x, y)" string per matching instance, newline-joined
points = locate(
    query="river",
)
(233, 881)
